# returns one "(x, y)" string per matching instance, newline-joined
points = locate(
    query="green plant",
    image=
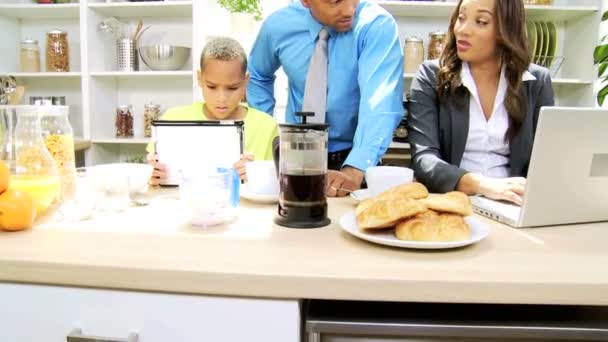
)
(243, 6)
(600, 56)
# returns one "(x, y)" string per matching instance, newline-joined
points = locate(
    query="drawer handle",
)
(77, 336)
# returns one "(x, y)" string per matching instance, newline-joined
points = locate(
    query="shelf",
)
(160, 9)
(45, 74)
(137, 74)
(570, 81)
(445, 9)
(135, 141)
(46, 11)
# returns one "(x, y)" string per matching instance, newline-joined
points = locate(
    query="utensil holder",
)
(126, 54)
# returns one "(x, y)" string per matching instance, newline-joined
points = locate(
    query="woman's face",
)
(475, 31)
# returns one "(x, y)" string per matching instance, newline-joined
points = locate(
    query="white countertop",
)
(152, 248)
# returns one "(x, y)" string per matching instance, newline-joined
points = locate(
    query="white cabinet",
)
(49, 314)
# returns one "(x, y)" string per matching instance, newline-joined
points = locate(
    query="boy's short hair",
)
(224, 49)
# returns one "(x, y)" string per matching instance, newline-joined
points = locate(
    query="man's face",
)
(223, 84)
(337, 14)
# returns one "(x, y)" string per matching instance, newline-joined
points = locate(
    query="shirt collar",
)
(467, 78)
(314, 27)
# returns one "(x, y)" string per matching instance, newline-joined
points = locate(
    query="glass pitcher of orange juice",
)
(33, 170)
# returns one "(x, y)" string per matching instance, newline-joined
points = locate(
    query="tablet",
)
(180, 144)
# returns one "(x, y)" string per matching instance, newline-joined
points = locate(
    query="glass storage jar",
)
(59, 140)
(57, 51)
(436, 44)
(151, 113)
(124, 121)
(413, 54)
(29, 56)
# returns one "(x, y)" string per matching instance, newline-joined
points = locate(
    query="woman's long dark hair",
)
(513, 50)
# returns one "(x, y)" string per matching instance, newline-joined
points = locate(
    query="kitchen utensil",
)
(126, 55)
(210, 194)
(164, 57)
(137, 28)
(33, 170)
(115, 27)
(141, 32)
(16, 96)
(302, 156)
(9, 84)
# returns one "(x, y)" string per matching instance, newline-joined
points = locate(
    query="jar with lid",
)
(57, 51)
(413, 54)
(58, 138)
(436, 44)
(151, 113)
(124, 121)
(29, 56)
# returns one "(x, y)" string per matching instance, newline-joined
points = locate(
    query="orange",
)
(5, 176)
(17, 210)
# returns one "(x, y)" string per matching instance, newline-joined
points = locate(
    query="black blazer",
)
(438, 131)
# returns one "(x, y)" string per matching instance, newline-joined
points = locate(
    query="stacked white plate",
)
(542, 42)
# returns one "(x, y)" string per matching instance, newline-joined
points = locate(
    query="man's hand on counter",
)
(341, 183)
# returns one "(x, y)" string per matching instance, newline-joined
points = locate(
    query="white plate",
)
(348, 222)
(360, 195)
(258, 198)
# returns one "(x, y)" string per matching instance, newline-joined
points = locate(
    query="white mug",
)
(262, 177)
(382, 178)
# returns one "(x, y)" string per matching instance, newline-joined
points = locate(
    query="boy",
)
(223, 79)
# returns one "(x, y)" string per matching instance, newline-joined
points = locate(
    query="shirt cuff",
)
(361, 159)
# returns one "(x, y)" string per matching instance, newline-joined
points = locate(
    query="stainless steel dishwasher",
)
(347, 321)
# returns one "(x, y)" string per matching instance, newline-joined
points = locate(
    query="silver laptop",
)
(567, 178)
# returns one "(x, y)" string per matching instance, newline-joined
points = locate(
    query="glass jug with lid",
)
(302, 174)
(33, 170)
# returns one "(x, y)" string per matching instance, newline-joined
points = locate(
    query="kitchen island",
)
(253, 271)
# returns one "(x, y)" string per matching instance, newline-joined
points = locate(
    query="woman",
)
(473, 113)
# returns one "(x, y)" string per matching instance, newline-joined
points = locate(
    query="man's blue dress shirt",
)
(364, 80)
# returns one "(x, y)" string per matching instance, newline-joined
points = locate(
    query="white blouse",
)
(486, 151)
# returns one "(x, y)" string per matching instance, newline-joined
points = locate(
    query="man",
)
(364, 81)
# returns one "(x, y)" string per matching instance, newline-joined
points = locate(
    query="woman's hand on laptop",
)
(159, 174)
(239, 166)
(508, 189)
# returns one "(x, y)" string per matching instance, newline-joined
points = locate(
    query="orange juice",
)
(44, 189)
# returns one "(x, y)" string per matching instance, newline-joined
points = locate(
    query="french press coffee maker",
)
(302, 171)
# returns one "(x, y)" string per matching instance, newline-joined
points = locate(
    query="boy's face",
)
(223, 84)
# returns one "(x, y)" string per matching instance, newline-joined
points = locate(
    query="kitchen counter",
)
(152, 248)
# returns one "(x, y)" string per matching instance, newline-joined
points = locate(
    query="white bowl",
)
(381, 178)
(116, 176)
